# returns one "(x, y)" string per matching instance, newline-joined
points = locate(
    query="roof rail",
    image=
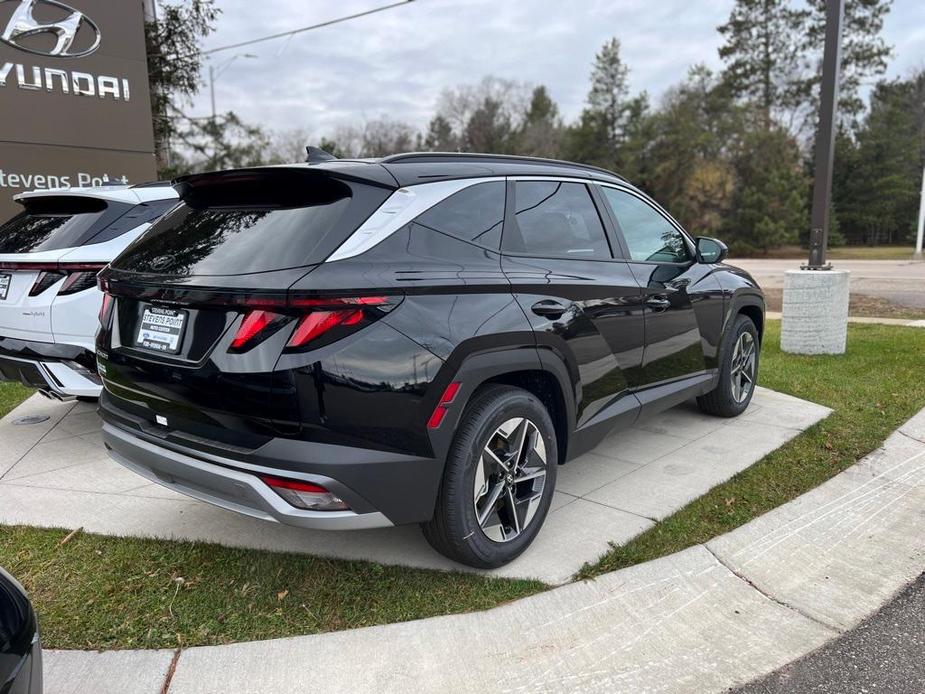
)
(153, 184)
(412, 157)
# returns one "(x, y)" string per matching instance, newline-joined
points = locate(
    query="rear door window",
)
(474, 214)
(556, 219)
(56, 222)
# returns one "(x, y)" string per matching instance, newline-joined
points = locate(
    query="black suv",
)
(417, 339)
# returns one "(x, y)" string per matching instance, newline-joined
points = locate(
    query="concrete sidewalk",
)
(704, 619)
(58, 474)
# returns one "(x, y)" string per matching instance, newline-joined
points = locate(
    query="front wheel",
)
(738, 371)
(499, 479)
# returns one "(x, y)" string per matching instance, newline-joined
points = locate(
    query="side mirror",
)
(711, 251)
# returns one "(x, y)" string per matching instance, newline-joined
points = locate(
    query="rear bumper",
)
(61, 370)
(234, 484)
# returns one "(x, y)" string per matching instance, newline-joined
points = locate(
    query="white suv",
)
(50, 255)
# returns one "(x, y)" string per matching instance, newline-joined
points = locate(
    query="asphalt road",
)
(899, 281)
(885, 654)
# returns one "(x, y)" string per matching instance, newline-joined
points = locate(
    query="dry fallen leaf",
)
(70, 535)
(282, 594)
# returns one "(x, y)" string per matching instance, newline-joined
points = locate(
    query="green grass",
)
(96, 592)
(99, 592)
(872, 389)
(11, 394)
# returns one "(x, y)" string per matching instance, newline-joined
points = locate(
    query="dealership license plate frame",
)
(6, 280)
(147, 337)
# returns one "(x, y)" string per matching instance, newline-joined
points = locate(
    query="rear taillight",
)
(305, 495)
(328, 314)
(316, 317)
(77, 276)
(316, 324)
(255, 328)
(106, 309)
(45, 281)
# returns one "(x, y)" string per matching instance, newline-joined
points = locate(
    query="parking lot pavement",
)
(886, 653)
(899, 281)
(62, 477)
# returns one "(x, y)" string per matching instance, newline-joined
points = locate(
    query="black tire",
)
(722, 400)
(454, 531)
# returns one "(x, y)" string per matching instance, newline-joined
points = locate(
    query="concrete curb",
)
(869, 320)
(704, 619)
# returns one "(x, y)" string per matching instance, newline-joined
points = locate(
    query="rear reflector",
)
(436, 417)
(305, 495)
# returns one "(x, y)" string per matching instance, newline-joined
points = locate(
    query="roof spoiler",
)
(316, 155)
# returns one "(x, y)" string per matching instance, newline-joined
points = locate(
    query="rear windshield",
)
(54, 223)
(241, 227)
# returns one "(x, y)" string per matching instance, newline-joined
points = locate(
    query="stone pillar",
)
(815, 312)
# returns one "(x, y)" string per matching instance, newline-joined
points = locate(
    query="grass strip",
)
(11, 394)
(872, 389)
(96, 592)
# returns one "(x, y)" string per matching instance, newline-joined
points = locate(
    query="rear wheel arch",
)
(545, 386)
(547, 379)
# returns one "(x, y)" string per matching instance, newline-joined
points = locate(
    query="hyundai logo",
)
(160, 262)
(23, 25)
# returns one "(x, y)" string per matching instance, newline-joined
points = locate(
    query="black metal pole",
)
(825, 137)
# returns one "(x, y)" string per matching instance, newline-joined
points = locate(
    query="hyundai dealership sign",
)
(74, 107)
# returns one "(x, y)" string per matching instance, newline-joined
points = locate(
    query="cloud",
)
(395, 64)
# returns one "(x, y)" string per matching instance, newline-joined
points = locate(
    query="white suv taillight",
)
(305, 495)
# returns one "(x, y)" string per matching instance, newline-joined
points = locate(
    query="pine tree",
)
(609, 90)
(602, 127)
(878, 196)
(864, 53)
(174, 64)
(489, 128)
(769, 203)
(440, 136)
(762, 56)
(540, 133)
(773, 54)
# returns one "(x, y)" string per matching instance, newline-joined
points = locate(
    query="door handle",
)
(658, 302)
(548, 309)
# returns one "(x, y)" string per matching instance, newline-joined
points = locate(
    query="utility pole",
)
(825, 137)
(815, 306)
(212, 89)
(216, 72)
(921, 232)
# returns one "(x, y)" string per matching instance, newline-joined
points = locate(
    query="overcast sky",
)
(395, 64)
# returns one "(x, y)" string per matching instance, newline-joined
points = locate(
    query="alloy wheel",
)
(509, 479)
(742, 372)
